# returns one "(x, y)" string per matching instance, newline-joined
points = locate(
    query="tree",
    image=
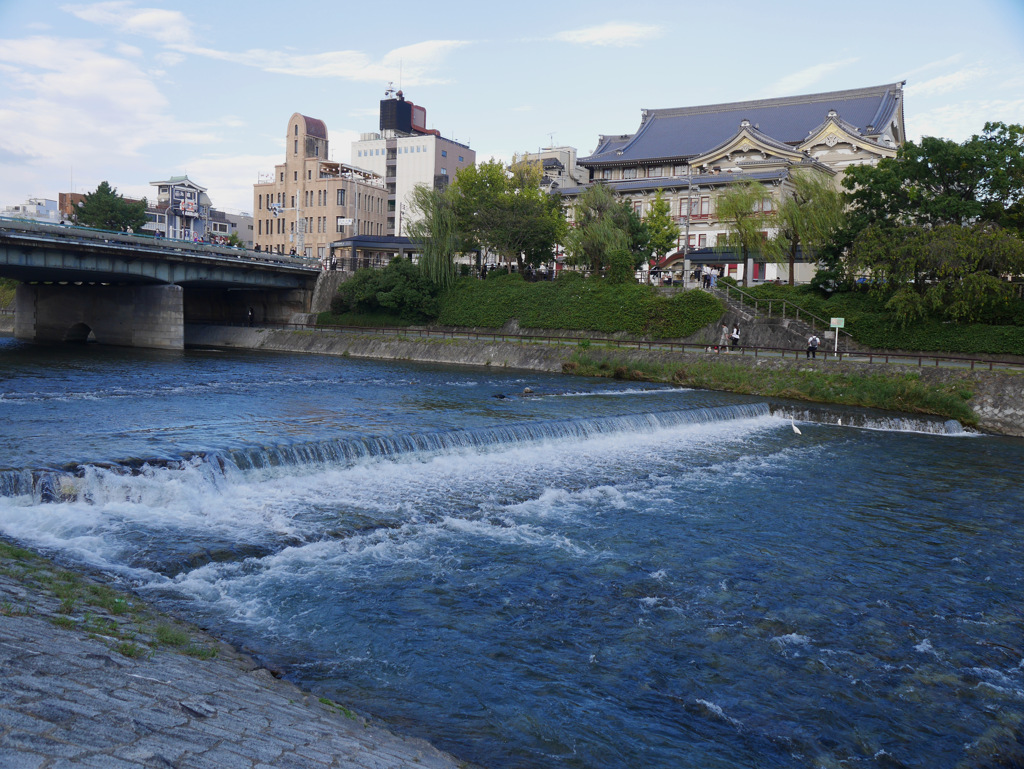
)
(604, 225)
(662, 231)
(104, 209)
(740, 208)
(436, 228)
(809, 218)
(505, 210)
(952, 271)
(942, 182)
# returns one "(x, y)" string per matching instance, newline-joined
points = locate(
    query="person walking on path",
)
(812, 346)
(735, 335)
(251, 316)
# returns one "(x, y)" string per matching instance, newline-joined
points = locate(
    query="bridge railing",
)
(73, 232)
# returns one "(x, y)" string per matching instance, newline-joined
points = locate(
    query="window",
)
(296, 146)
(702, 241)
(338, 224)
(679, 170)
(309, 174)
(296, 129)
(296, 176)
(461, 159)
(444, 172)
(282, 176)
(260, 223)
(444, 153)
(606, 173)
(259, 202)
(638, 207)
(341, 197)
(320, 251)
(653, 173)
(628, 173)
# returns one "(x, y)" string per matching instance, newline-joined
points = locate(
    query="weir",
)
(55, 485)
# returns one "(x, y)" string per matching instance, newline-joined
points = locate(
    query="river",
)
(596, 574)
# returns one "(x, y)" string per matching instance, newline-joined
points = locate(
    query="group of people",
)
(707, 276)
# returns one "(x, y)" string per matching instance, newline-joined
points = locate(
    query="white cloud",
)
(962, 120)
(66, 98)
(169, 27)
(804, 80)
(614, 34)
(229, 178)
(412, 63)
(941, 84)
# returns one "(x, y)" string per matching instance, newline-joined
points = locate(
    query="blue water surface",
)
(597, 574)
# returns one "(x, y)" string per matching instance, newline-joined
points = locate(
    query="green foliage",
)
(400, 290)
(603, 224)
(951, 271)
(578, 304)
(739, 209)
(895, 392)
(8, 287)
(104, 209)
(809, 217)
(621, 268)
(504, 210)
(870, 322)
(235, 241)
(662, 230)
(436, 229)
(942, 182)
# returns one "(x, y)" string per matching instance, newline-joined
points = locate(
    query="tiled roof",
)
(681, 182)
(679, 133)
(315, 127)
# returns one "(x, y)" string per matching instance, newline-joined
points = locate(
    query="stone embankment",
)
(998, 396)
(93, 678)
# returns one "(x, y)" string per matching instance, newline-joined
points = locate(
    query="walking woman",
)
(735, 337)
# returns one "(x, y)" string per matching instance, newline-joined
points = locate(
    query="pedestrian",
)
(251, 316)
(723, 343)
(812, 346)
(735, 337)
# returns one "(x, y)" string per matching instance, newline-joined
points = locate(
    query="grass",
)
(891, 391)
(334, 707)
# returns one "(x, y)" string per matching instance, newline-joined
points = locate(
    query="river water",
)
(600, 574)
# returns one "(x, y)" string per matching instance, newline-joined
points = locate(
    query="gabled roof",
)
(684, 132)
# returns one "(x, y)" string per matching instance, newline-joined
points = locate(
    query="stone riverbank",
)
(92, 677)
(997, 396)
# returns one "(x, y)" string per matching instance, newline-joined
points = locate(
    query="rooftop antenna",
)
(551, 140)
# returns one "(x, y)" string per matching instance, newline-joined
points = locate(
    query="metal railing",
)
(796, 311)
(918, 359)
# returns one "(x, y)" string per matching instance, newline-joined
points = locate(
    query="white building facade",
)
(405, 153)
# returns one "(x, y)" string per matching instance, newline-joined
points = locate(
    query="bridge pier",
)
(128, 316)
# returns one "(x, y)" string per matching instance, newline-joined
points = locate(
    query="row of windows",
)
(403, 151)
(654, 172)
(322, 197)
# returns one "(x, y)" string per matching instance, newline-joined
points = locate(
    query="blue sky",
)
(132, 92)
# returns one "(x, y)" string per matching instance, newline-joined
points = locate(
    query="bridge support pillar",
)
(128, 316)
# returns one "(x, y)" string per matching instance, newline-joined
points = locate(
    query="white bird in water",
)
(795, 428)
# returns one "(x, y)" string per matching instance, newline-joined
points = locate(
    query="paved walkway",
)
(92, 678)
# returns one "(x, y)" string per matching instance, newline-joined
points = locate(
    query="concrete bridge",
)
(139, 291)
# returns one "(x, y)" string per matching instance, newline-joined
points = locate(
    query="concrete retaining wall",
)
(998, 396)
(129, 316)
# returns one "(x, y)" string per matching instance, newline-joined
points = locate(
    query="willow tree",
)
(603, 225)
(807, 219)
(741, 209)
(436, 230)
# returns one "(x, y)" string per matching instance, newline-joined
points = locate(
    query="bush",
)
(577, 304)
(399, 290)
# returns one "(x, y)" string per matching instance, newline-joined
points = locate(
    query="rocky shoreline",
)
(94, 677)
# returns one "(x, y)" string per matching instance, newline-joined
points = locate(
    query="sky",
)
(132, 92)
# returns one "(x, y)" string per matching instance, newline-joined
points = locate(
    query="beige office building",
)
(311, 202)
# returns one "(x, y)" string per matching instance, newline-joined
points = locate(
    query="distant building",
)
(692, 154)
(311, 201)
(559, 167)
(406, 153)
(36, 209)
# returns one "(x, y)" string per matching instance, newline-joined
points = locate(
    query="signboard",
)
(345, 222)
(838, 322)
(184, 202)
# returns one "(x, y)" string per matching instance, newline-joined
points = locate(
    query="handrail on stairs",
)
(744, 296)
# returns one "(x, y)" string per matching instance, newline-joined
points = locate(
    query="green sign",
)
(838, 322)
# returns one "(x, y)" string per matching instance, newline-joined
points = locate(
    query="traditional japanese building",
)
(692, 154)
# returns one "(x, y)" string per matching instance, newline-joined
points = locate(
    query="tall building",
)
(692, 154)
(406, 153)
(311, 201)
